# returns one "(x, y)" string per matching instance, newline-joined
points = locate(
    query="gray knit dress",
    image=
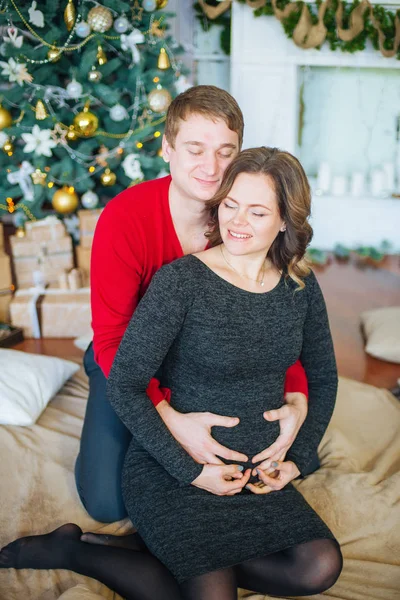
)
(224, 350)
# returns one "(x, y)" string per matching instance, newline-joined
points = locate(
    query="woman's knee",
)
(323, 571)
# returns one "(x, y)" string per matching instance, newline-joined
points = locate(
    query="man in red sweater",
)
(143, 228)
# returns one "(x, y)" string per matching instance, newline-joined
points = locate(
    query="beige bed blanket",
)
(356, 491)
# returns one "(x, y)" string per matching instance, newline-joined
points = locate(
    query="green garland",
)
(385, 17)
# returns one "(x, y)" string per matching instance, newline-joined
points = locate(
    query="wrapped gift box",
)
(5, 286)
(87, 224)
(52, 257)
(52, 313)
(83, 262)
(45, 230)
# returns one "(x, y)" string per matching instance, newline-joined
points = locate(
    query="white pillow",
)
(382, 332)
(27, 383)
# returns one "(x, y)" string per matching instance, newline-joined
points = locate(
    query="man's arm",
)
(117, 264)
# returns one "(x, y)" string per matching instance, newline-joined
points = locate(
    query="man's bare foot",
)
(49, 551)
(132, 541)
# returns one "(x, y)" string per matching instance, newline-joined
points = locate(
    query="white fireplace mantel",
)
(265, 80)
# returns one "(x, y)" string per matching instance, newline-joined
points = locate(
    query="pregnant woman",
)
(225, 324)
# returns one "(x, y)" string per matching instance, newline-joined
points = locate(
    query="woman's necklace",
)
(241, 274)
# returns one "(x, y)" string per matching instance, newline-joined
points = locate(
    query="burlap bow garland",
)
(309, 35)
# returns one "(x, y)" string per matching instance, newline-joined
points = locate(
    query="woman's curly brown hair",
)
(294, 203)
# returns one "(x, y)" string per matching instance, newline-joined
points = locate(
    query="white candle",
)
(324, 177)
(339, 185)
(357, 184)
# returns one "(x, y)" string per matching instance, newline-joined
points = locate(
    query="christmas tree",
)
(85, 87)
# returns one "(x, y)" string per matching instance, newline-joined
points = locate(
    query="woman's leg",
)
(134, 575)
(302, 570)
(216, 585)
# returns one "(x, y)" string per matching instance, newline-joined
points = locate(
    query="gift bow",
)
(23, 178)
(128, 42)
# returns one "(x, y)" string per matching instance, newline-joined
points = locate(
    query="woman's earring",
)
(283, 228)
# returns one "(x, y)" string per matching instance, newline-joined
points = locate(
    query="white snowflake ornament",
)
(39, 141)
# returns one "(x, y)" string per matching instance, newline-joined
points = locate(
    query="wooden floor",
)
(348, 290)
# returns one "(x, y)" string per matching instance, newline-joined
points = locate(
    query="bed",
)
(357, 492)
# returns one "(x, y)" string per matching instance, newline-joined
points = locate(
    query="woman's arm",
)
(318, 359)
(148, 337)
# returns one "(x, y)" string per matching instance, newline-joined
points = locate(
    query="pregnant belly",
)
(250, 436)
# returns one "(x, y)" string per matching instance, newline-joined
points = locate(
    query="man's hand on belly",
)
(193, 432)
(291, 417)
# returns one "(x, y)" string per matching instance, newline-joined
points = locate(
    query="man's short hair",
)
(209, 101)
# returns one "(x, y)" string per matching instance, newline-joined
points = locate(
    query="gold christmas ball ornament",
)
(100, 19)
(69, 15)
(86, 122)
(40, 111)
(94, 75)
(159, 100)
(54, 55)
(161, 4)
(160, 152)
(65, 200)
(72, 136)
(5, 118)
(108, 178)
(8, 148)
(163, 60)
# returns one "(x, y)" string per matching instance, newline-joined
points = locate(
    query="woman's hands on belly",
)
(222, 480)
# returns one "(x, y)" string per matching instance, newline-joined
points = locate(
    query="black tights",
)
(301, 570)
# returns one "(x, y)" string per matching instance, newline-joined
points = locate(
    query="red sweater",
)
(134, 237)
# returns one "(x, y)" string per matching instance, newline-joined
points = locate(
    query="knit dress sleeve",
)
(318, 359)
(151, 332)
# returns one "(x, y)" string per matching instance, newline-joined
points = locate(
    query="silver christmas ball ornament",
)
(82, 29)
(149, 5)
(74, 89)
(89, 200)
(118, 112)
(121, 24)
